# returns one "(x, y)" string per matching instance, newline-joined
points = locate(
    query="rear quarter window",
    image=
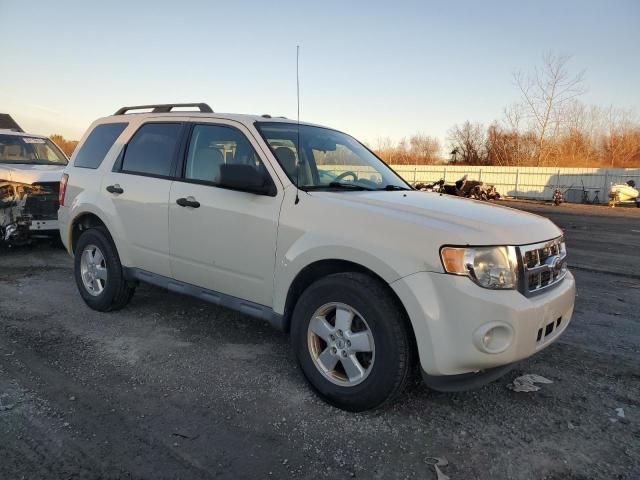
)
(97, 144)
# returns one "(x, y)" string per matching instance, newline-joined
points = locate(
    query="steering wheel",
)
(348, 173)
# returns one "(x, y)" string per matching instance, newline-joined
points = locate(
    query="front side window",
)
(30, 150)
(212, 147)
(327, 159)
(152, 150)
(97, 144)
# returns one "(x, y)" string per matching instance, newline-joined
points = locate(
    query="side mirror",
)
(246, 178)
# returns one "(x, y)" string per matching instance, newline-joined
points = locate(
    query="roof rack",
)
(166, 107)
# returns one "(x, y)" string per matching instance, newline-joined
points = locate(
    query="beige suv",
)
(304, 227)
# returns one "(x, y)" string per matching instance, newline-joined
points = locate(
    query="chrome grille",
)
(544, 265)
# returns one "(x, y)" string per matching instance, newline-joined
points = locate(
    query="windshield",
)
(327, 159)
(29, 150)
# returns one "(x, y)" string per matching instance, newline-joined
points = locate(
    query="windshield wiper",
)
(393, 187)
(351, 186)
(335, 186)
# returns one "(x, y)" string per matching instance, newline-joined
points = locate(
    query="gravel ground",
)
(174, 388)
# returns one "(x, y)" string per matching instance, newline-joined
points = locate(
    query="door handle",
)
(115, 189)
(188, 202)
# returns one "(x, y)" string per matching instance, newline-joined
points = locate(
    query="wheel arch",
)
(321, 268)
(85, 221)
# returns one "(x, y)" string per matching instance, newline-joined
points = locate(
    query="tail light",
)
(63, 189)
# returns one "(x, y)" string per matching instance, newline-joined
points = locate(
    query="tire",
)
(112, 291)
(376, 318)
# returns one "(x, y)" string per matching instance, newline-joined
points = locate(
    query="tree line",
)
(549, 126)
(67, 146)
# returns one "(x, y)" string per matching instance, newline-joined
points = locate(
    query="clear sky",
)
(389, 68)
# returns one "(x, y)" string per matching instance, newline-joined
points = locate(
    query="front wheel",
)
(351, 341)
(98, 272)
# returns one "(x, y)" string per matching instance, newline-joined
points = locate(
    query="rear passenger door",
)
(227, 242)
(138, 188)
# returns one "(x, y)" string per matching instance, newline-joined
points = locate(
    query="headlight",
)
(489, 267)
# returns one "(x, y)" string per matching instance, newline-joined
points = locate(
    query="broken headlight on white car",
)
(490, 267)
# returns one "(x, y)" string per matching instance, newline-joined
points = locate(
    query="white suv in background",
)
(304, 227)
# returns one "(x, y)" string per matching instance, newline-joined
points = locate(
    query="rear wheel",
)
(351, 341)
(98, 272)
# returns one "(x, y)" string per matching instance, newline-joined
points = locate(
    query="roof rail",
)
(166, 107)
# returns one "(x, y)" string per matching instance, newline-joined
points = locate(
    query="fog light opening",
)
(493, 338)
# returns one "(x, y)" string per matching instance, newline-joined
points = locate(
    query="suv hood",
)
(24, 173)
(451, 220)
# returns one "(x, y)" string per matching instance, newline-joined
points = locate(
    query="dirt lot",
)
(174, 388)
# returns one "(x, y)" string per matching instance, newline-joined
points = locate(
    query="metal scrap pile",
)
(462, 188)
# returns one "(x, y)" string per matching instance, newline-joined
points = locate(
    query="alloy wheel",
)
(341, 344)
(93, 270)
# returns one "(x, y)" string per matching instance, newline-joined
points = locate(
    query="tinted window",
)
(152, 149)
(97, 144)
(212, 146)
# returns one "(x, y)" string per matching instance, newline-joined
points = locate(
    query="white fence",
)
(529, 182)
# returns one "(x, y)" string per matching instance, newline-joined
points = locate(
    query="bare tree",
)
(545, 93)
(417, 150)
(622, 137)
(470, 142)
(508, 141)
(424, 149)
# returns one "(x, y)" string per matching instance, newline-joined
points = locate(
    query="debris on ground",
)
(185, 436)
(525, 383)
(620, 412)
(4, 406)
(438, 462)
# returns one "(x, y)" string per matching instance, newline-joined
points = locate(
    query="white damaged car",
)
(30, 171)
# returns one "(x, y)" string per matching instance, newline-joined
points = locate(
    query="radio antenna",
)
(298, 126)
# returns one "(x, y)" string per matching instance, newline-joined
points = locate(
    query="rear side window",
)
(97, 144)
(152, 150)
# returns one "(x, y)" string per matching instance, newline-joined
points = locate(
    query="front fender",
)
(314, 247)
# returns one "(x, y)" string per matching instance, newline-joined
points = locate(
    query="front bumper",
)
(26, 209)
(43, 225)
(450, 316)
